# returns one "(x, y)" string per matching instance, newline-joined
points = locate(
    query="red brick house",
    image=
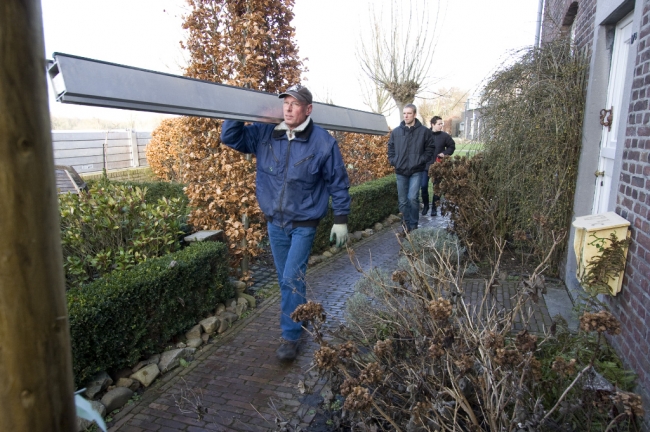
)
(614, 168)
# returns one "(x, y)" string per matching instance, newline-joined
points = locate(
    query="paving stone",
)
(240, 374)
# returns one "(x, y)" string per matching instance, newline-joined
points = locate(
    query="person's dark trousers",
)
(291, 248)
(408, 189)
(436, 198)
(424, 186)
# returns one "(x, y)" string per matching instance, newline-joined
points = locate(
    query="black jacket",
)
(443, 143)
(410, 148)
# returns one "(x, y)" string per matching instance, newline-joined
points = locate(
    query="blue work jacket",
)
(294, 178)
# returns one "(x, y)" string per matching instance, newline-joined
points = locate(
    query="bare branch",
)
(397, 55)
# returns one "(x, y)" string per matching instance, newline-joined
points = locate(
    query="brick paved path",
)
(238, 377)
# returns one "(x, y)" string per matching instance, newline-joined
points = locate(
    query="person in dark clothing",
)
(444, 146)
(410, 147)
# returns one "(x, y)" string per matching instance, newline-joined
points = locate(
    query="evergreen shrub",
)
(155, 189)
(115, 226)
(372, 202)
(118, 319)
(160, 189)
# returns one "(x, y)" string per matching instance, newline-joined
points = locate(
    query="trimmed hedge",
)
(117, 320)
(372, 202)
(155, 189)
(158, 190)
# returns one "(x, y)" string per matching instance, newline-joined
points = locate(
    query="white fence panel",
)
(91, 151)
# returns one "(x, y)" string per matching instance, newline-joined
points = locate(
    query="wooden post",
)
(133, 140)
(36, 386)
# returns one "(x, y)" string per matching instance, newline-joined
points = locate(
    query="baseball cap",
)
(299, 92)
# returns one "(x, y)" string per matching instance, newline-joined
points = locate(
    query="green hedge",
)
(372, 202)
(117, 320)
(155, 189)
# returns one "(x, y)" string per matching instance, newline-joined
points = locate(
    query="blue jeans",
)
(408, 188)
(291, 247)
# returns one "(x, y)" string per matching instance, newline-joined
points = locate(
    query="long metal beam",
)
(83, 81)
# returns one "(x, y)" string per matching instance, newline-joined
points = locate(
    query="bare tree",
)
(448, 102)
(376, 98)
(398, 52)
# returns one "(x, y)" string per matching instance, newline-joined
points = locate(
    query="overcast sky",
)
(473, 38)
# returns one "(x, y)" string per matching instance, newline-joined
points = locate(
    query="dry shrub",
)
(416, 356)
(309, 311)
(476, 217)
(166, 152)
(248, 44)
(601, 321)
(523, 185)
(365, 156)
(242, 43)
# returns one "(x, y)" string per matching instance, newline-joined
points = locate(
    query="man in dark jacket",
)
(410, 147)
(444, 146)
(299, 167)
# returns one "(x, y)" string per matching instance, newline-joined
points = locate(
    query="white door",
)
(617, 74)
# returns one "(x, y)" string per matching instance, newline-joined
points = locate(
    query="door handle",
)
(599, 173)
(605, 119)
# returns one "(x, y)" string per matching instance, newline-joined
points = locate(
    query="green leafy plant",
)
(158, 190)
(114, 227)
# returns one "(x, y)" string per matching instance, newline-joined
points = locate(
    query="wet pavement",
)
(236, 383)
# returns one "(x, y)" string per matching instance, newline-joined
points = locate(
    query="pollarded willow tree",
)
(397, 52)
(246, 43)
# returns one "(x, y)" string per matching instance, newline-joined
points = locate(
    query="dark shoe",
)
(425, 209)
(434, 212)
(287, 351)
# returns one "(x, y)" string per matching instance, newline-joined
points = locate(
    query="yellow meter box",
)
(593, 227)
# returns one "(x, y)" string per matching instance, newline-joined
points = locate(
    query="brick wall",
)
(556, 17)
(632, 305)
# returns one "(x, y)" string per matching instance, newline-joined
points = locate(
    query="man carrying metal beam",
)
(299, 166)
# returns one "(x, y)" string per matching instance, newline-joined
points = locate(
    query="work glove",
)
(341, 233)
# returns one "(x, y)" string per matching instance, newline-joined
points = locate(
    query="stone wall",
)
(632, 305)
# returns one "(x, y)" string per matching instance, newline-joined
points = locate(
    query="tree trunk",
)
(36, 387)
(400, 107)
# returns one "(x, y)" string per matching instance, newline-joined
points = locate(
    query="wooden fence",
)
(92, 151)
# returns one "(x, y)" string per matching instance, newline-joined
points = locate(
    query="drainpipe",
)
(538, 31)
